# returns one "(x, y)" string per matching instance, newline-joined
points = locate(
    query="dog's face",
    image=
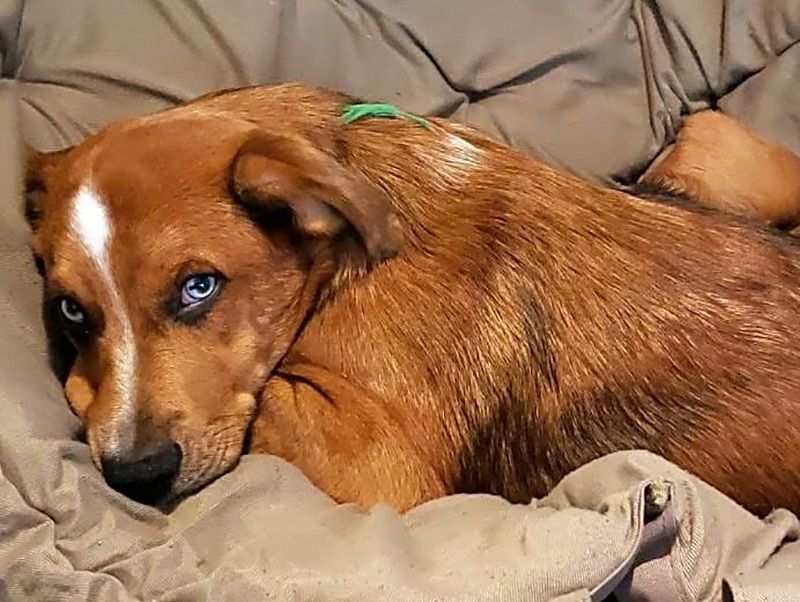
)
(181, 255)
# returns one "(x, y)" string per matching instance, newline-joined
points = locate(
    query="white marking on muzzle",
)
(91, 225)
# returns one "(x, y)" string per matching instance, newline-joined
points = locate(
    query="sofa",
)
(598, 88)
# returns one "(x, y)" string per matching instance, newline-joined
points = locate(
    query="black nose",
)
(145, 476)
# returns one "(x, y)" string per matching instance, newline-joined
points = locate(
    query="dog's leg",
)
(720, 163)
(346, 441)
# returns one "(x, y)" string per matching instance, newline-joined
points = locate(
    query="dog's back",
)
(540, 322)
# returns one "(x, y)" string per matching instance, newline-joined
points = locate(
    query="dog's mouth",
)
(176, 469)
(193, 452)
(164, 487)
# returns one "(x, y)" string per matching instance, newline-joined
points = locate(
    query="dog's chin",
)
(211, 451)
(187, 485)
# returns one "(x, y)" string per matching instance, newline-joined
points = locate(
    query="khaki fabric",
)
(597, 87)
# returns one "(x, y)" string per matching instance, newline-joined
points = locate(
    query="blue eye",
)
(197, 289)
(72, 311)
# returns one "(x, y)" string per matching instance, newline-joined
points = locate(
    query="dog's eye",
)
(194, 296)
(72, 311)
(73, 319)
(197, 289)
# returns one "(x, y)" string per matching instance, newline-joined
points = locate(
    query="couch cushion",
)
(598, 90)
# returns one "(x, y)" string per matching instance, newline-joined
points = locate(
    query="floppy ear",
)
(327, 200)
(60, 351)
(35, 189)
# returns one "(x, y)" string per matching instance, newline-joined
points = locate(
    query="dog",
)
(402, 308)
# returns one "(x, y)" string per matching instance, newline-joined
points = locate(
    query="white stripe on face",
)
(91, 226)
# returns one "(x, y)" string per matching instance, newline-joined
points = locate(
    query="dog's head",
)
(182, 253)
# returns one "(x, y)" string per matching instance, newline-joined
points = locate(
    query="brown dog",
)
(402, 310)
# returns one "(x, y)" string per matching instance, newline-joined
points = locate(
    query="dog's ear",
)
(34, 186)
(327, 200)
(60, 351)
(35, 189)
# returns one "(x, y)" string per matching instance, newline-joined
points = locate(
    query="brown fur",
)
(721, 163)
(528, 323)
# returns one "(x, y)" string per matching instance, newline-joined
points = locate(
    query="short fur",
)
(721, 163)
(418, 311)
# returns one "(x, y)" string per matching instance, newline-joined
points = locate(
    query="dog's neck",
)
(544, 311)
(489, 300)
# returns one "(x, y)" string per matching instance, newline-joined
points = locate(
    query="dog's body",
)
(528, 323)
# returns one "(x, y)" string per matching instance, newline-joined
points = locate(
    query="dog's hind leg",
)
(721, 164)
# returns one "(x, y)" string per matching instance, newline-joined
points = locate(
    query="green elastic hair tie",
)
(356, 112)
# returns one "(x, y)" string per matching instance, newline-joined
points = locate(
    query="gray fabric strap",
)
(647, 573)
(653, 578)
